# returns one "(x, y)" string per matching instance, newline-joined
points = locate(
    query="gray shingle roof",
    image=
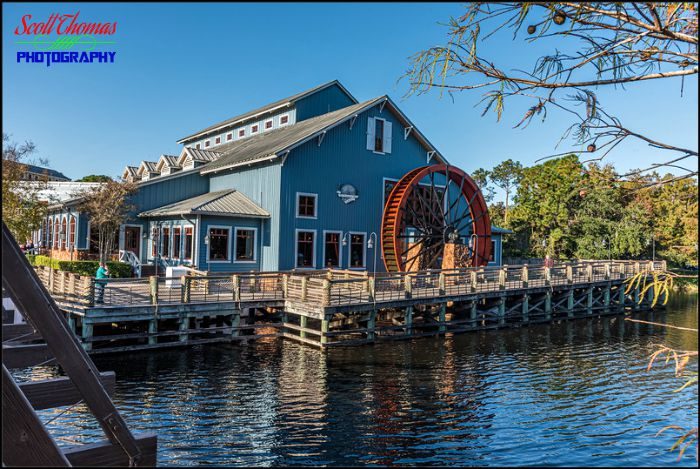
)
(132, 170)
(271, 143)
(227, 203)
(204, 155)
(45, 171)
(267, 108)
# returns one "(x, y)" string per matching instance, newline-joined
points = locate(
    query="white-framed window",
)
(165, 242)
(379, 135)
(206, 143)
(254, 129)
(357, 250)
(305, 249)
(217, 141)
(284, 119)
(332, 249)
(241, 133)
(188, 247)
(244, 245)
(307, 205)
(219, 243)
(197, 146)
(229, 136)
(267, 125)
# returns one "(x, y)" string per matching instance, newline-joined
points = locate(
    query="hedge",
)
(89, 268)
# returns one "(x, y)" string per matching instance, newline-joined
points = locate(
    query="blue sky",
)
(181, 67)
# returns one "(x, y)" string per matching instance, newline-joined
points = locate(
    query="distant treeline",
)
(570, 210)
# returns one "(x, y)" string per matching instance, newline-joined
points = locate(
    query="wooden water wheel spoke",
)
(432, 212)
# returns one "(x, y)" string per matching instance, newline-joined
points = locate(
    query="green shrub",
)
(30, 258)
(88, 268)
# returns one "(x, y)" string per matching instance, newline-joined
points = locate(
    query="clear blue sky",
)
(181, 67)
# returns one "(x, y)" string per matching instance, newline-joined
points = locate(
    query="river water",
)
(574, 393)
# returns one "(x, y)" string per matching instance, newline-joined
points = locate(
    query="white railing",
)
(130, 258)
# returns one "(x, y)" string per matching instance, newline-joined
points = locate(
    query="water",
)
(575, 393)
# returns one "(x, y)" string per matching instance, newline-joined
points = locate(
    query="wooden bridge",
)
(336, 307)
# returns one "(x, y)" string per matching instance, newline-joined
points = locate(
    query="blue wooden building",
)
(298, 183)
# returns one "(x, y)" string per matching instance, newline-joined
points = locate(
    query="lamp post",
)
(344, 243)
(370, 245)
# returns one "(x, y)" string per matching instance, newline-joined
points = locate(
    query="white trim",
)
(169, 227)
(231, 134)
(238, 132)
(204, 143)
(280, 123)
(191, 258)
(307, 194)
(133, 225)
(364, 249)
(253, 132)
(197, 234)
(255, 244)
(296, 248)
(340, 248)
(374, 122)
(271, 121)
(179, 254)
(228, 248)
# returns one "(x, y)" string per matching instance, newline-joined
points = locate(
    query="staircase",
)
(130, 258)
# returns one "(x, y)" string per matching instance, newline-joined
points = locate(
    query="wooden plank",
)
(27, 292)
(49, 393)
(13, 331)
(22, 356)
(25, 441)
(106, 454)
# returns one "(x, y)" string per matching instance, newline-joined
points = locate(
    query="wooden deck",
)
(330, 307)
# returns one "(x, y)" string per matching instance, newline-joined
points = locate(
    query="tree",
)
(506, 175)
(108, 208)
(22, 209)
(595, 45)
(481, 177)
(95, 178)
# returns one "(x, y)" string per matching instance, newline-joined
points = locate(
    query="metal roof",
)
(44, 171)
(203, 155)
(132, 170)
(169, 160)
(268, 108)
(272, 144)
(226, 203)
(149, 165)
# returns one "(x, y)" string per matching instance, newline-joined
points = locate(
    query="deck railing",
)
(328, 287)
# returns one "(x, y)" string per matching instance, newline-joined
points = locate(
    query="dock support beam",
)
(371, 322)
(409, 320)
(502, 311)
(589, 301)
(87, 333)
(441, 317)
(472, 313)
(526, 308)
(621, 297)
(570, 304)
(236, 323)
(548, 305)
(635, 306)
(302, 323)
(606, 298)
(324, 330)
(71, 322)
(183, 324)
(152, 329)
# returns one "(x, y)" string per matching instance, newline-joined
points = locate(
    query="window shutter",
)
(370, 133)
(387, 137)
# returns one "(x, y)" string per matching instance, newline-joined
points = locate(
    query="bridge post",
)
(589, 273)
(547, 276)
(607, 271)
(186, 288)
(589, 301)
(324, 329)
(473, 280)
(570, 304)
(441, 284)
(502, 277)
(236, 287)
(407, 287)
(525, 276)
(302, 323)
(569, 274)
(87, 334)
(526, 307)
(304, 280)
(327, 292)
(153, 284)
(370, 289)
(548, 305)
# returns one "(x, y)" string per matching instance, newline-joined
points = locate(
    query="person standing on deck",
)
(102, 273)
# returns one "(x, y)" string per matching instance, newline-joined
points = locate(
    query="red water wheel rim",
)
(418, 204)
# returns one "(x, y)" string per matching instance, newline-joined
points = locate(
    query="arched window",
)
(45, 234)
(55, 234)
(71, 239)
(65, 234)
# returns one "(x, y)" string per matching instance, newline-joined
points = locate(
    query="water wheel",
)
(426, 222)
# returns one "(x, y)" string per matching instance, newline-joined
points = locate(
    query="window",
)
(197, 146)
(306, 257)
(245, 245)
(268, 124)
(176, 242)
(49, 237)
(284, 119)
(331, 249)
(55, 234)
(378, 135)
(71, 239)
(154, 241)
(241, 133)
(229, 136)
(64, 234)
(254, 128)
(357, 250)
(165, 246)
(218, 244)
(306, 205)
(189, 239)
(492, 256)
(206, 143)
(218, 140)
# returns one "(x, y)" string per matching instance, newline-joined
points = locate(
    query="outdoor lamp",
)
(345, 239)
(206, 239)
(370, 244)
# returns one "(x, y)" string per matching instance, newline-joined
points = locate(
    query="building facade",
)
(297, 184)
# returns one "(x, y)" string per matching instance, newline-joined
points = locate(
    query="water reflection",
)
(574, 393)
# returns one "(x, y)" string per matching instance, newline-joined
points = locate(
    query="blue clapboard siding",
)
(170, 189)
(262, 185)
(324, 101)
(230, 265)
(343, 158)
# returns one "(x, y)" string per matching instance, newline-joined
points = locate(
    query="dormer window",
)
(284, 119)
(218, 140)
(241, 133)
(206, 143)
(229, 136)
(254, 128)
(268, 124)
